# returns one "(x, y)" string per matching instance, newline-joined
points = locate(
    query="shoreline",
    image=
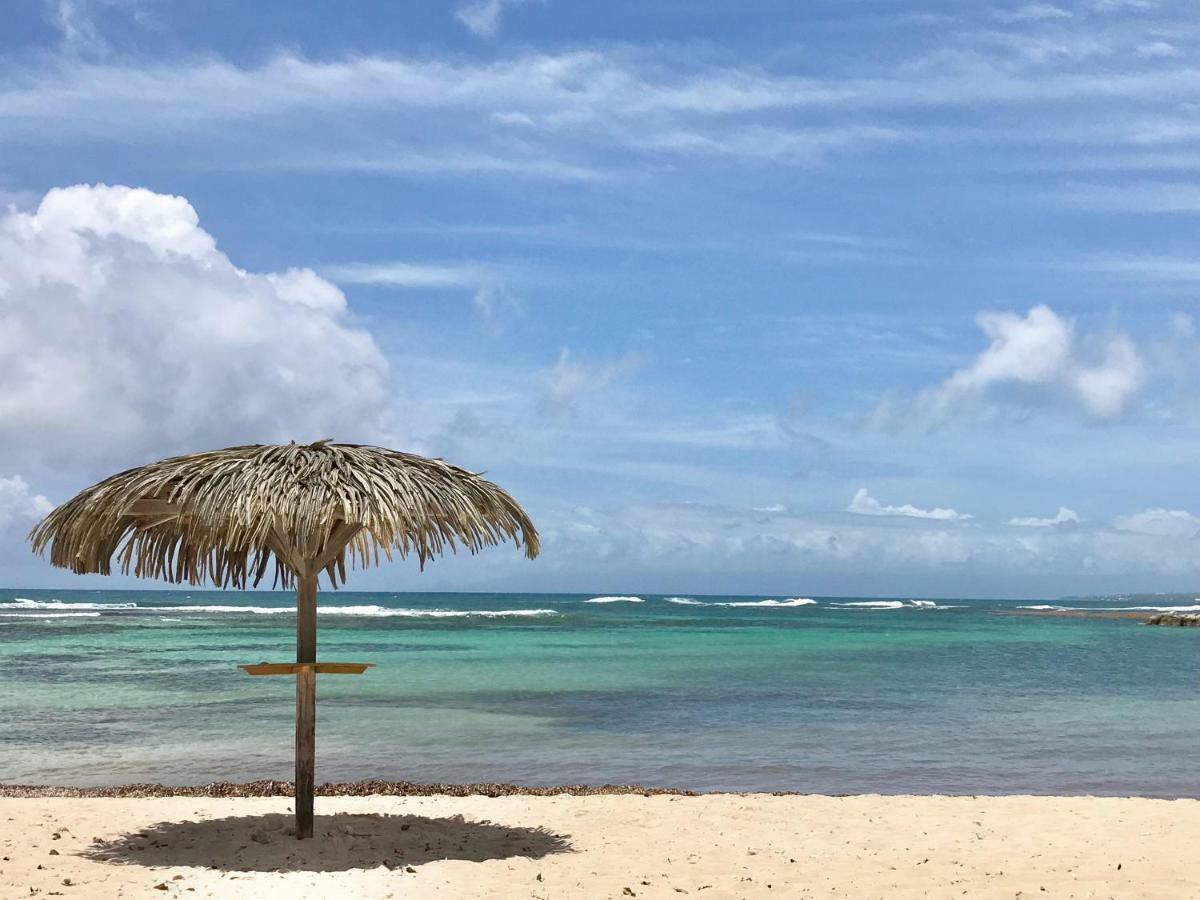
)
(369, 788)
(267, 789)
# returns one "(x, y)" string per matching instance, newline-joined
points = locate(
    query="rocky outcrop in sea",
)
(1191, 620)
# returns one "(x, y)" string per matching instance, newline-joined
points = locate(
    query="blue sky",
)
(823, 298)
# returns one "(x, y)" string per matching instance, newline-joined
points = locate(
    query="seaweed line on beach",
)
(270, 788)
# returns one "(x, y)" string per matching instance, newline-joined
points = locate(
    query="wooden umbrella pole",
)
(306, 702)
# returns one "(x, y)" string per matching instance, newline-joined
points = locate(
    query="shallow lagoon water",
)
(719, 693)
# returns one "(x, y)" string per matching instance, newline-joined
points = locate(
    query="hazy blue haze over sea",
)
(109, 687)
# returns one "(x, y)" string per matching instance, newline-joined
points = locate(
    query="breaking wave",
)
(25, 603)
(1048, 606)
(372, 611)
(893, 604)
(794, 601)
(1192, 608)
(615, 600)
(46, 609)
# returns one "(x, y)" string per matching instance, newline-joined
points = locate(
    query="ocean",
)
(824, 695)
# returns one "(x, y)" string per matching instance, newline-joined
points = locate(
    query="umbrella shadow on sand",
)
(267, 843)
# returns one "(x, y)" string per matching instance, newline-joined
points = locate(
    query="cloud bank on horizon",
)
(723, 320)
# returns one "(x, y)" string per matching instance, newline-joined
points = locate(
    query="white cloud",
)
(1182, 325)
(75, 25)
(1039, 356)
(1163, 522)
(864, 504)
(1064, 516)
(684, 547)
(482, 17)
(570, 380)
(545, 114)
(491, 295)
(1146, 267)
(1107, 6)
(445, 161)
(1171, 128)
(1134, 196)
(77, 22)
(128, 333)
(494, 301)
(607, 98)
(1158, 50)
(804, 147)
(1031, 12)
(409, 275)
(19, 505)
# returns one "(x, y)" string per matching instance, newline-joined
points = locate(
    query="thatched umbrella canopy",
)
(229, 516)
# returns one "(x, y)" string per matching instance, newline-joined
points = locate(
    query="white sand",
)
(712, 846)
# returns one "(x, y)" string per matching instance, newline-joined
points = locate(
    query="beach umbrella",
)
(296, 510)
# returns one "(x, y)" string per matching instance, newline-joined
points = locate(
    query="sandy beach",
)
(710, 846)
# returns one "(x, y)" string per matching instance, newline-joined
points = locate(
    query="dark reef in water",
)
(1175, 619)
(339, 789)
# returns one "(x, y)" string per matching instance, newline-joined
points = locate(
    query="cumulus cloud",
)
(1064, 516)
(20, 509)
(1031, 359)
(129, 334)
(1159, 521)
(482, 18)
(864, 504)
(683, 547)
(19, 505)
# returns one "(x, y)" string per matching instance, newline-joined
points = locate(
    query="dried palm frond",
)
(226, 514)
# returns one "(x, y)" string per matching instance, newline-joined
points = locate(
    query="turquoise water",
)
(109, 687)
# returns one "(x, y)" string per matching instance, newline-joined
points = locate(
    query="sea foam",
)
(892, 604)
(1167, 609)
(368, 611)
(794, 601)
(615, 600)
(1193, 608)
(26, 603)
(26, 608)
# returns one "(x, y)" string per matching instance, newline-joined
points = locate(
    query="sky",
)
(833, 298)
